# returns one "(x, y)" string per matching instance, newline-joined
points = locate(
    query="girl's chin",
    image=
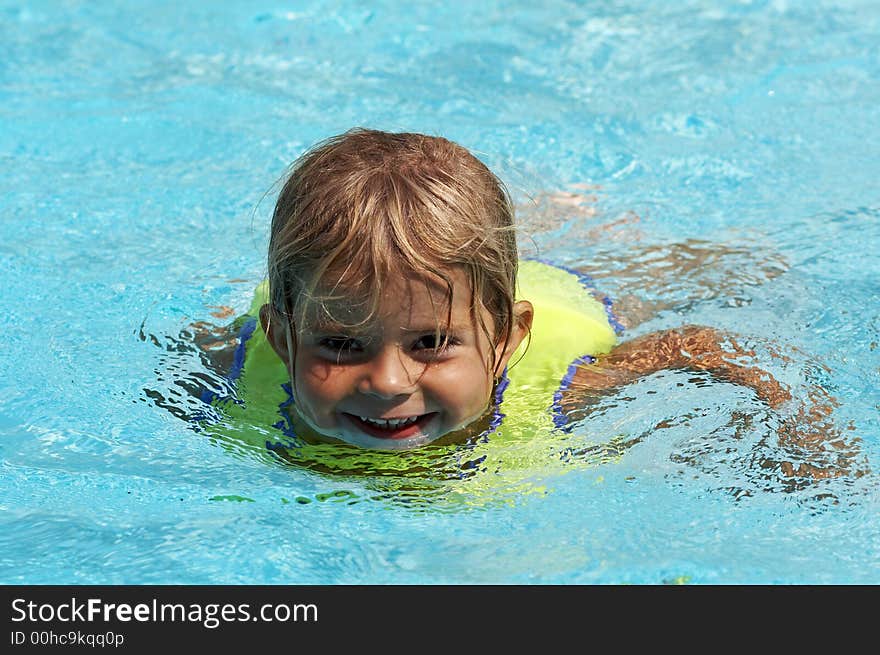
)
(375, 443)
(357, 432)
(430, 433)
(448, 438)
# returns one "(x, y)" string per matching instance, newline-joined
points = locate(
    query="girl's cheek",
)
(317, 372)
(332, 382)
(468, 380)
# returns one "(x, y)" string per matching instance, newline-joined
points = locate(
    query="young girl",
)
(397, 315)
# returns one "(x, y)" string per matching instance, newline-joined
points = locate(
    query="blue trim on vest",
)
(560, 420)
(497, 414)
(285, 425)
(247, 331)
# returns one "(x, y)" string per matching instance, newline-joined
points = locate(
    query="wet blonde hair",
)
(365, 205)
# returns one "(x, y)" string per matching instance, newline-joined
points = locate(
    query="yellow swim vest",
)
(570, 326)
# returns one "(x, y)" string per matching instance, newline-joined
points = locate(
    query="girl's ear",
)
(276, 328)
(523, 314)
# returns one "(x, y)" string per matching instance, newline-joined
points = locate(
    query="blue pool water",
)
(711, 163)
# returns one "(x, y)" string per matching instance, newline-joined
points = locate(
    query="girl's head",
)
(392, 256)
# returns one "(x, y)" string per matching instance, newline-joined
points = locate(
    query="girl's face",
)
(389, 384)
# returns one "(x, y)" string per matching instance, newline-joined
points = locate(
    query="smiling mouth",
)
(393, 428)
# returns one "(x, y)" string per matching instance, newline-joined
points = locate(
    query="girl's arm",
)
(690, 347)
(810, 431)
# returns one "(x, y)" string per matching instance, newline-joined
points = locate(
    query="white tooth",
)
(392, 423)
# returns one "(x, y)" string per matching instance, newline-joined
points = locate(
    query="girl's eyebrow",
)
(330, 323)
(328, 327)
(324, 328)
(431, 329)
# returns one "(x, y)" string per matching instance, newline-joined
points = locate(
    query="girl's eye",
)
(434, 342)
(341, 345)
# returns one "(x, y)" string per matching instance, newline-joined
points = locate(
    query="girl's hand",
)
(814, 445)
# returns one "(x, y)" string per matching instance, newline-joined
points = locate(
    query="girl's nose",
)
(389, 374)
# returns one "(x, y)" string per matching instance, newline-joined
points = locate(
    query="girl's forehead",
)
(418, 298)
(396, 285)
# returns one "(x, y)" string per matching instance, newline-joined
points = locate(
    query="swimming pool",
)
(709, 163)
